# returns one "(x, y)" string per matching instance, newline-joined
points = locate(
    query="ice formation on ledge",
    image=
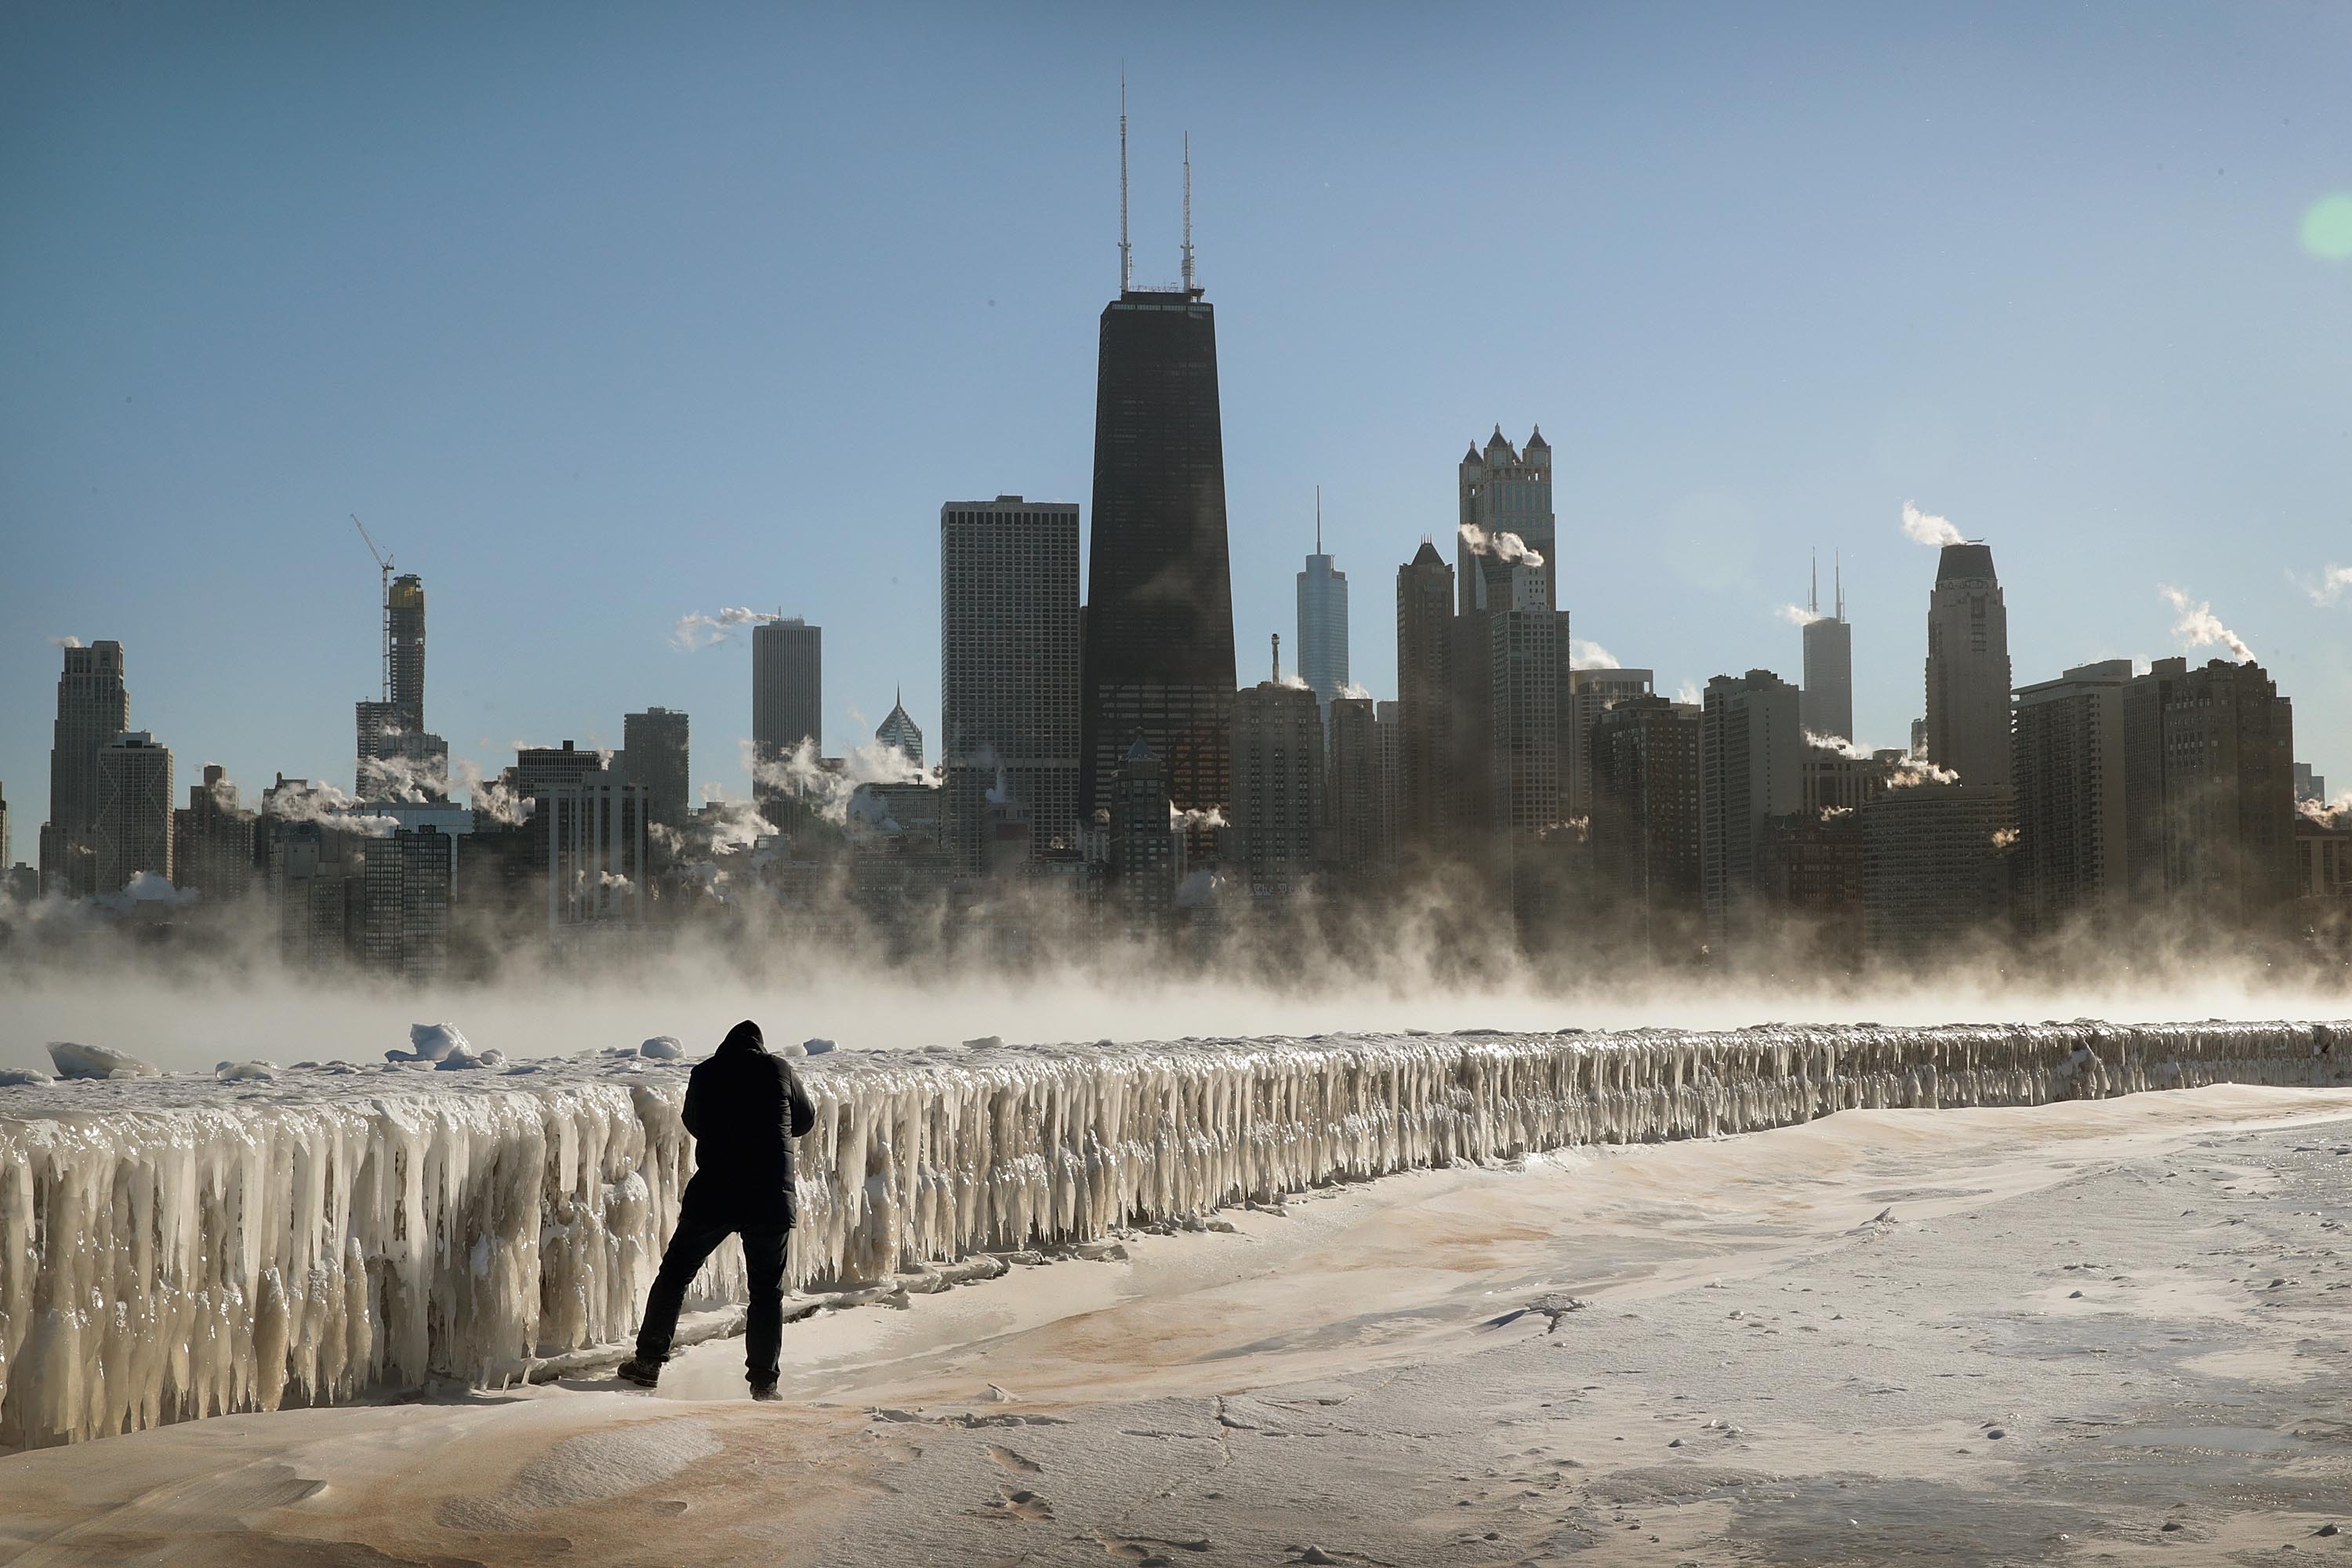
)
(96, 1061)
(177, 1247)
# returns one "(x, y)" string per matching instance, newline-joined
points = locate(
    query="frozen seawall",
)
(176, 1247)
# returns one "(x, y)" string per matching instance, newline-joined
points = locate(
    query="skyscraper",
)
(1967, 668)
(1277, 787)
(656, 742)
(212, 839)
(403, 650)
(134, 830)
(395, 757)
(787, 697)
(1426, 705)
(1645, 764)
(1322, 621)
(1008, 632)
(1351, 787)
(406, 883)
(1825, 702)
(1504, 490)
(2071, 857)
(1143, 841)
(1751, 768)
(1160, 609)
(93, 707)
(900, 732)
(1589, 694)
(2208, 791)
(1935, 865)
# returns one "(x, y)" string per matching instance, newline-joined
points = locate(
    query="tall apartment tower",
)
(1388, 761)
(2209, 759)
(787, 693)
(2073, 858)
(134, 830)
(1825, 703)
(93, 707)
(1351, 787)
(406, 883)
(1143, 841)
(1160, 604)
(1322, 622)
(1278, 804)
(656, 742)
(1589, 694)
(1009, 638)
(1428, 785)
(1967, 668)
(1645, 761)
(1751, 768)
(1504, 490)
(212, 840)
(1934, 866)
(404, 644)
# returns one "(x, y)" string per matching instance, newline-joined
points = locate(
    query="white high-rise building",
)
(1009, 728)
(1322, 622)
(1967, 668)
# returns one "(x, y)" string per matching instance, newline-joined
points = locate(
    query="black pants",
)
(698, 1235)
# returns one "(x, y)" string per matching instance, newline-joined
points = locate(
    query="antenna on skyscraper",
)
(1188, 213)
(1126, 258)
(1318, 519)
(1277, 659)
(1837, 565)
(1813, 598)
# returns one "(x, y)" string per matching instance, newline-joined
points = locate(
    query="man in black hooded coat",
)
(743, 1108)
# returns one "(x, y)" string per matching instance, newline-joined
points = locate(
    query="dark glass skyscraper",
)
(1159, 655)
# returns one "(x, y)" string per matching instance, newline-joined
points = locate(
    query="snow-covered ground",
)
(2112, 1330)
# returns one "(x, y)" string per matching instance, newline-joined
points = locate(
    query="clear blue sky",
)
(601, 315)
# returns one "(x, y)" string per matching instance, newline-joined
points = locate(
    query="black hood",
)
(743, 1036)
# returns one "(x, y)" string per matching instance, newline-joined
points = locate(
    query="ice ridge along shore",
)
(176, 1247)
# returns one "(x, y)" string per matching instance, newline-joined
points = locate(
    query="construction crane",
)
(384, 601)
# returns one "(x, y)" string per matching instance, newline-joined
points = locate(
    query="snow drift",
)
(176, 1247)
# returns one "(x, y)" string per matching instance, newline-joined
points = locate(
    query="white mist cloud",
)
(67, 641)
(1501, 545)
(1194, 817)
(802, 772)
(2335, 583)
(1838, 743)
(1294, 681)
(1584, 655)
(1798, 616)
(489, 799)
(2198, 626)
(700, 631)
(322, 803)
(1688, 693)
(1926, 528)
(1919, 771)
(1350, 689)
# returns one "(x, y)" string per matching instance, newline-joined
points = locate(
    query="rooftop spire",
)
(1126, 255)
(1188, 212)
(1837, 566)
(1318, 519)
(1813, 599)
(1277, 659)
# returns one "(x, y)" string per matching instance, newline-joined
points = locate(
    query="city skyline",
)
(1674, 544)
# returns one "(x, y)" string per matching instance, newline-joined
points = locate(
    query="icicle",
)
(174, 1248)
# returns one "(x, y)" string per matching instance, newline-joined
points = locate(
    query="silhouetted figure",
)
(743, 1108)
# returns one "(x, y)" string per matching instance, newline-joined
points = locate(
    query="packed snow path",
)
(177, 1246)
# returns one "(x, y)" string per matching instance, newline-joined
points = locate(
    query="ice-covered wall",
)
(174, 1248)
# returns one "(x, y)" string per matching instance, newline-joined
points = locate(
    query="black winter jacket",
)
(744, 1108)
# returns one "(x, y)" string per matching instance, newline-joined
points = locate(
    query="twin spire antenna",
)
(1126, 249)
(1837, 567)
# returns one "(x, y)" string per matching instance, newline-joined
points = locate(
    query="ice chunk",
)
(816, 1048)
(430, 1042)
(19, 1077)
(664, 1048)
(96, 1061)
(246, 1072)
(462, 1057)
